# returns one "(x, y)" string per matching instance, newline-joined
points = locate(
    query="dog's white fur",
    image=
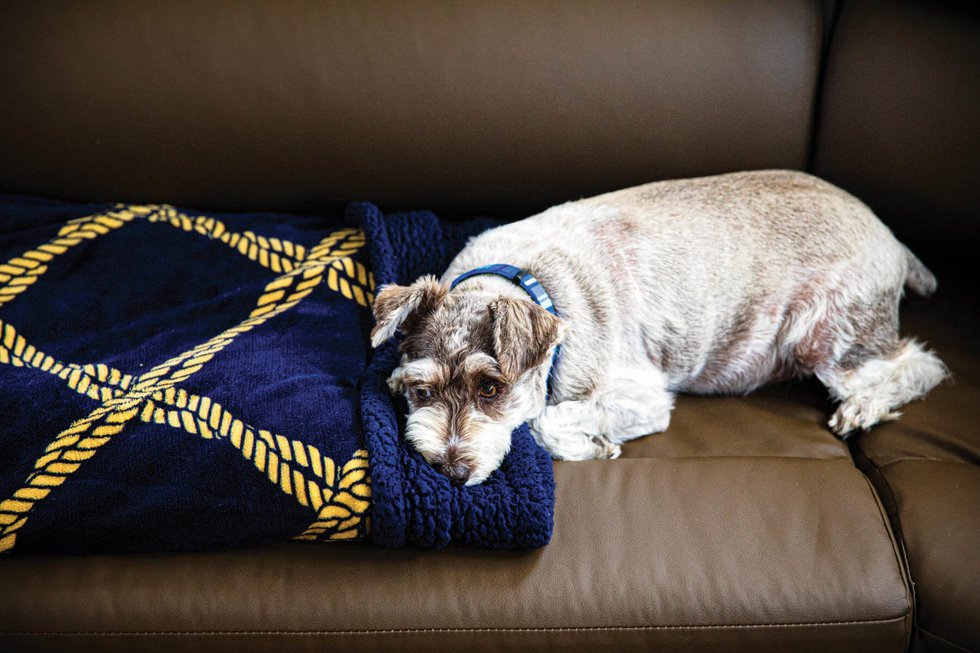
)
(710, 285)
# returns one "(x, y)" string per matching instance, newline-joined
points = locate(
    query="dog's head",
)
(473, 368)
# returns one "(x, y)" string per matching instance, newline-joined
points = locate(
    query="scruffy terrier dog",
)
(710, 285)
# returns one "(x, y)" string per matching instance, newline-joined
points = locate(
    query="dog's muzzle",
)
(458, 473)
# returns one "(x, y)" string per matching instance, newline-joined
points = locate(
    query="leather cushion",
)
(451, 106)
(768, 554)
(937, 507)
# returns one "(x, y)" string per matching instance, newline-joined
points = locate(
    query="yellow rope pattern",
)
(20, 272)
(279, 255)
(339, 518)
(124, 398)
(340, 499)
(357, 281)
(83, 379)
(274, 253)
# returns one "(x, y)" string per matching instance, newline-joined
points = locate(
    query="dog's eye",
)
(489, 390)
(422, 393)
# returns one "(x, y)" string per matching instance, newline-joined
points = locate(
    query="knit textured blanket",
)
(171, 380)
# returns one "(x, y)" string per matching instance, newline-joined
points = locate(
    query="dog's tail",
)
(918, 278)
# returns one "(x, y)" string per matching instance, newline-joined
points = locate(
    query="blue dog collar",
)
(531, 286)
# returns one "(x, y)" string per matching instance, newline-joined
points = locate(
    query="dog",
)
(710, 285)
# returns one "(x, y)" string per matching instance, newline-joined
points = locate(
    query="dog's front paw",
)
(608, 450)
(569, 432)
(853, 415)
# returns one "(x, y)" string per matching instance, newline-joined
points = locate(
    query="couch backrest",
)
(490, 106)
(899, 120)
(487, 106)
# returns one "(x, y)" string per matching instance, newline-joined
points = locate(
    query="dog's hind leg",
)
(869, 369)
(851, 343)
(871, 387)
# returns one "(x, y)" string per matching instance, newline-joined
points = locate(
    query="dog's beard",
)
(484, 444)
(427, 429)
(489, 442)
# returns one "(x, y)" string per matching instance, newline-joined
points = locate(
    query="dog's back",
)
(714, 279)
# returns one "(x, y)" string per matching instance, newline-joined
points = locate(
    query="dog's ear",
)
(401, 306)
(523, 332)
(396, 382)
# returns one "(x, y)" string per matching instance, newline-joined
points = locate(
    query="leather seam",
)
(841, 458)
(906, 618)
(830, 24)
(382, 631)
(919, 459)
(942, 639)
(871, 471)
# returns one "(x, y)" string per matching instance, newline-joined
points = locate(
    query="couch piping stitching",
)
(921, 459)
(456, 630)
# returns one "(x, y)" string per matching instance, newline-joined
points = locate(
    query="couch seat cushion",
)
(721, 554)
(935, 505)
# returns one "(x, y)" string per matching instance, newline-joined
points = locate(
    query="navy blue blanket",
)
(172, 380)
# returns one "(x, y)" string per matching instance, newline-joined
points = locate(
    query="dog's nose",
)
(458, 473)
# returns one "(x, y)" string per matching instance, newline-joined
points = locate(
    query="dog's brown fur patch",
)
(404, 306)
(522, 334)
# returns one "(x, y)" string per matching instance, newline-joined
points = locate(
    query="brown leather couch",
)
(747, 525)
